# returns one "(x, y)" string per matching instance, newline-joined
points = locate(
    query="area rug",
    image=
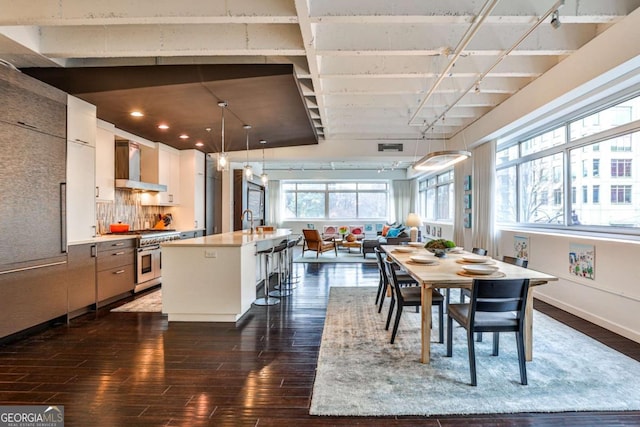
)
(149, 303)
(328, 257)
(360, 374)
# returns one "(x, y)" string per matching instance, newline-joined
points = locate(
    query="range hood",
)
(128, 169)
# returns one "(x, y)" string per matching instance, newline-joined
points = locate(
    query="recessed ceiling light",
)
(184, 136)
(137, 113)
(163, 126)
(199, 144)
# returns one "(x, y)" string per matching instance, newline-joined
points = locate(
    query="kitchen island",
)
(213, 278)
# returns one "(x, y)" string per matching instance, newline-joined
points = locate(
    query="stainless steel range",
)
(149, 256)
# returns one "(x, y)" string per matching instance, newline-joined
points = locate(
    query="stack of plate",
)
(404, 249)
(480, 269)
(421, 259)
(476, 259)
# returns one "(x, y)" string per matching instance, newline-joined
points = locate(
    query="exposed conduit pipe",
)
(486, 10)
(503, 55)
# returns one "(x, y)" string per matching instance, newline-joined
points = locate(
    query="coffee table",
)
(346, 244)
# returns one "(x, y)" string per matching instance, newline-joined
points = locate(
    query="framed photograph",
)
(467, 183)
(467, 201)
(368, 228)
(427, 229)
(467, 220)
(521, 247)
(582, 260)
(439, 231)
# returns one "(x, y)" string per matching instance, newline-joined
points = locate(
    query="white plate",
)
(476, 258)
(456, 250)
(416, 244)
(423, 259)
(404, 249)
(480, 269)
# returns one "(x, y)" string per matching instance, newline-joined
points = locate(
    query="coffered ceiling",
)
(366, 71)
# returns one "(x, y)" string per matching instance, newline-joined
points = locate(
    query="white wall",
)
(612, 300)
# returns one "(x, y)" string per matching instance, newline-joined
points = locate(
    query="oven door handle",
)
(149, 248)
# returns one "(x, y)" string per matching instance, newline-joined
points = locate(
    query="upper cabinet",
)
(161, 166)
(81, 160)
(105, 162)
(81, 121)
(190, 214)
(32, 104)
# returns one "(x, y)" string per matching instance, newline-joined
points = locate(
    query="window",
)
(437, 197)
(538, 177)
(596, 167)
(335, 200)
(621, 144)
(620, 167)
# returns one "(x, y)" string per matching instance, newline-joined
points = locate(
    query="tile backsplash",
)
(128, 209)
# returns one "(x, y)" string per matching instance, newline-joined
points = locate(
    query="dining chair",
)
(313, 242)
(409, 296)
(495, 306)
(383, 284)
(520, 262)
(479, 251)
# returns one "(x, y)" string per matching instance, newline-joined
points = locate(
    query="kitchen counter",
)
(103, 238)
(235, 238)
(213, 278)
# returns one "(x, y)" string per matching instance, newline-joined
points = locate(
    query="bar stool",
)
(267, 299)
(282, 290)
(293, 280)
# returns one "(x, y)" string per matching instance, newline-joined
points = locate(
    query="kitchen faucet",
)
(250, 217)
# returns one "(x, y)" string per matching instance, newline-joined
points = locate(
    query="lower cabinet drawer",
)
(108, 260)
(116, 281)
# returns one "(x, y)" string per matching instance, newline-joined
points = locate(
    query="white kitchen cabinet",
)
(190, 214)
(105, 164)
(81, 121)
(161, 166)
(81, 204)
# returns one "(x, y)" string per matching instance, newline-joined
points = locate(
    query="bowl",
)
(440, 253)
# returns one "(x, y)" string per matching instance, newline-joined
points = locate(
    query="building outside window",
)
(546, 162)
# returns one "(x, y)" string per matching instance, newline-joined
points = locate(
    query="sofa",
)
(369, 245)
(391, 234)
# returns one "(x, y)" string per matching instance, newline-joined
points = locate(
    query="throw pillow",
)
(385, 230)
(394, 232)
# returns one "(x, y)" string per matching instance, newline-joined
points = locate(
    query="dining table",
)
(447, 272)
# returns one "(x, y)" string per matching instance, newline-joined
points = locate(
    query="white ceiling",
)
(364, 66)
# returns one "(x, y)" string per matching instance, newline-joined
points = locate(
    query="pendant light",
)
(264, 177)
(223, 157)
(248, 170)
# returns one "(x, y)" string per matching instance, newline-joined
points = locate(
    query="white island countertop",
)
(235, 238)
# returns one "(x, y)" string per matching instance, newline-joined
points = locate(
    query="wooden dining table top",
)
(448, 271)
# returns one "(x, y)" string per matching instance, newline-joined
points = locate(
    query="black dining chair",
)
(479, 251)
(520, 262)
(383, 284)
(410, 296)
(495, 306)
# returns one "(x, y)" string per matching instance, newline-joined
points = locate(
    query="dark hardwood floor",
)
(135, 369)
